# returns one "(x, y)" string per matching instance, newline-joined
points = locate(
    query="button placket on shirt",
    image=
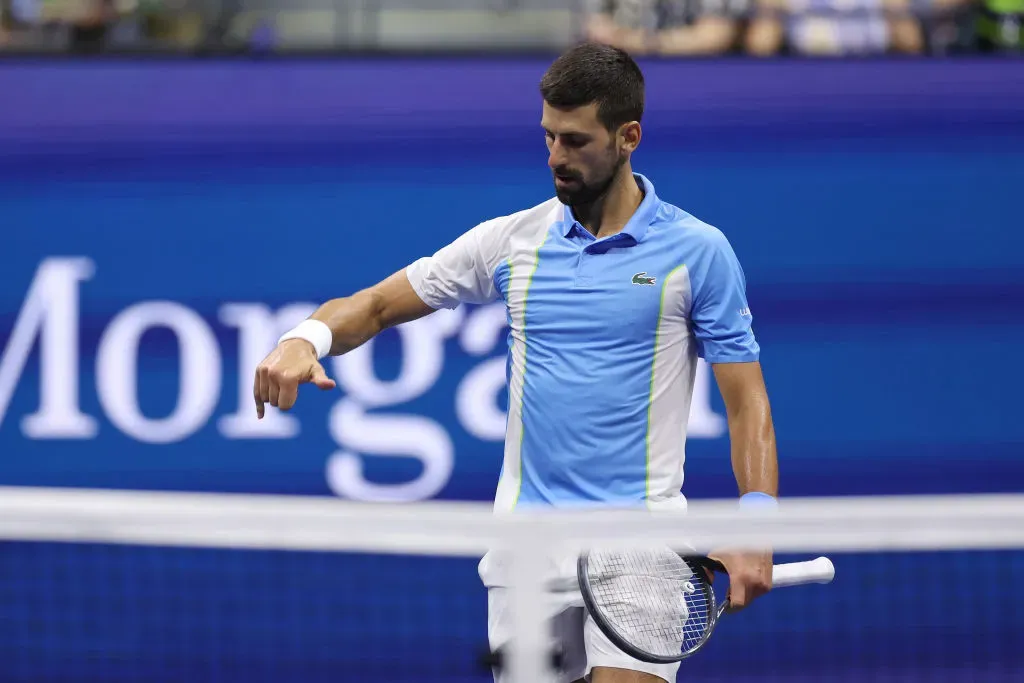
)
(587, 263)
(583, 240)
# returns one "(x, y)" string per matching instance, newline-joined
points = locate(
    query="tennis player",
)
(612, 295)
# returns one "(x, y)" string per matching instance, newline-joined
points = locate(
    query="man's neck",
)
(609, 214)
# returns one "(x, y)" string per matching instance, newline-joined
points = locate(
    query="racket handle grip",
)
(820, 570)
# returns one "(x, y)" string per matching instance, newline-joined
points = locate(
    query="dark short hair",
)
(593, 73)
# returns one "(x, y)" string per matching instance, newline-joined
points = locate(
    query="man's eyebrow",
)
(569, 133)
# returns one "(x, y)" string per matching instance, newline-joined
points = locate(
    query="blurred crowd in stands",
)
(668, 28)
(807, 27)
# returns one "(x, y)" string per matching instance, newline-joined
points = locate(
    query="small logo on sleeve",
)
(643, 279)
(745, 312)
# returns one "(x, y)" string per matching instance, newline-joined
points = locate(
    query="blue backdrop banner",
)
(164, 222)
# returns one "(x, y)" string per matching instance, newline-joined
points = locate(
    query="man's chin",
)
(569, 197)
(564, 197)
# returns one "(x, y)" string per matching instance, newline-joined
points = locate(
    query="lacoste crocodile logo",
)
(642, 279)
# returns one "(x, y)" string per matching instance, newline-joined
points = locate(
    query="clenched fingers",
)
(287, 392)
(747, 584)
(279, 376)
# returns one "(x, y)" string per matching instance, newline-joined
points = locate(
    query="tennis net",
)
(132, 586)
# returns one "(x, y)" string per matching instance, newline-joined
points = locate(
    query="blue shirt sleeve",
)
(720, 316)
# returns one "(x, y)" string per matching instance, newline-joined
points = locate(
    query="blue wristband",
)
(758, 500)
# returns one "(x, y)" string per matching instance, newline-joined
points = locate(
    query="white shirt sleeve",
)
(461, 272)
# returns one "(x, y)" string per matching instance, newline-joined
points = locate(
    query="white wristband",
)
(315, 332)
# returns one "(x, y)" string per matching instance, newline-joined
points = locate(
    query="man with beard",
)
(612, 295)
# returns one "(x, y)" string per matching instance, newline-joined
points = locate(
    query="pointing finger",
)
(259, 392)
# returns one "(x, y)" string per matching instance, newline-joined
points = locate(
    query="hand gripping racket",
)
(658, 606)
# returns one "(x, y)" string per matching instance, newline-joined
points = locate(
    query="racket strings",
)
(652, 598)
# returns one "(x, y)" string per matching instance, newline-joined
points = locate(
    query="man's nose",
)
(556, 156)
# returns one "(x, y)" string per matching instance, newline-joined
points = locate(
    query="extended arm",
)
(722, 323)
(457, 273)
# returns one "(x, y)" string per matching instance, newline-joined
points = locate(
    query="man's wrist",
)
(316, 332)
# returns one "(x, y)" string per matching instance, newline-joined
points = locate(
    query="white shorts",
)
(575, 635)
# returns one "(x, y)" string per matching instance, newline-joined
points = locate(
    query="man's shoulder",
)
(539, 217)
(495, 239)
(683, 228)
(498, 236)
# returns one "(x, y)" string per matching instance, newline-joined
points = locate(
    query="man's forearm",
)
(353, 320)
(356, 319)
(752, 437)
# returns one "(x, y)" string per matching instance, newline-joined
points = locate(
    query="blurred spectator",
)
(667, 27)
(89, 24)
(15, 15)
(949, 26)
(45, 24)
(97, 25)
(999, 26)
(6, 23)
(835, 27)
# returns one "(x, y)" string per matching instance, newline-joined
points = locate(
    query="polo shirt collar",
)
(638, 223)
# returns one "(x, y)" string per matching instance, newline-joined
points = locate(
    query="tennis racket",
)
(658, 606)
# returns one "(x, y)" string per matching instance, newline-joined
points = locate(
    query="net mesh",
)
(102, 612)
(92, 607)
